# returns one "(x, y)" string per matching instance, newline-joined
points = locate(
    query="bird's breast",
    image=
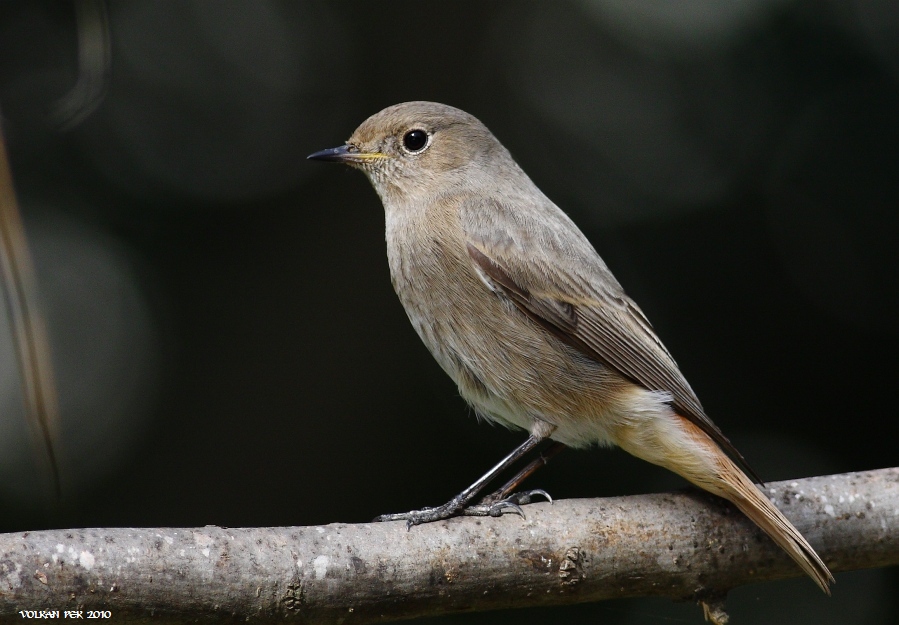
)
(434, 281)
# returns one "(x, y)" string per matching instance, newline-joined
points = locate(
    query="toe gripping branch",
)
(494, 504)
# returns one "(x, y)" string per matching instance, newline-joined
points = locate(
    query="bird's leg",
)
(455, 505)
(505, 497)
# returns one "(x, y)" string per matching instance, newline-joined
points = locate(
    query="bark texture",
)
(681, 545)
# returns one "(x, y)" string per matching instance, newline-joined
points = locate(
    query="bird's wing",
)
(540, 261)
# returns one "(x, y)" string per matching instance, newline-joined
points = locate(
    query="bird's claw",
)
(512, 503)
(495, 509)
(526, 497)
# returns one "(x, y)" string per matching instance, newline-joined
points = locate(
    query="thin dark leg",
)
(510, 486)
(506, 497)
(457, 503)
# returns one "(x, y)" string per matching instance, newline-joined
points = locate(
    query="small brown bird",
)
(520, 310)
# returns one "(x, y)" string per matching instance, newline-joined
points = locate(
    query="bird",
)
(519, 309)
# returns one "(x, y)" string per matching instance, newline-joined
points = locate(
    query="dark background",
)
(229, 349)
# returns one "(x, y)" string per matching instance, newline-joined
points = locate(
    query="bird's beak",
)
(346, 154)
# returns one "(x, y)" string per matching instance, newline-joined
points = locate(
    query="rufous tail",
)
(751, 502)
(733, 485)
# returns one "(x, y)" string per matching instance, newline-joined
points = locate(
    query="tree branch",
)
(680, 545)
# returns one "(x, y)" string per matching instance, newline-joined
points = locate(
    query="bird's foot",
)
(493, 505)
(425, 515)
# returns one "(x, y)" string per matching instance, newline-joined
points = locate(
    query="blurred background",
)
(229, 350)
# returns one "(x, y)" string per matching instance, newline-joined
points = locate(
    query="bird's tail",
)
(688, 451)
(752, 502)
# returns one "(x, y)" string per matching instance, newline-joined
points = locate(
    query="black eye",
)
(415, 140)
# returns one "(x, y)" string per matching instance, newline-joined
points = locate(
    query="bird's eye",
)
(415, 140)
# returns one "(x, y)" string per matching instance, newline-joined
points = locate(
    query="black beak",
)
(336, 155)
